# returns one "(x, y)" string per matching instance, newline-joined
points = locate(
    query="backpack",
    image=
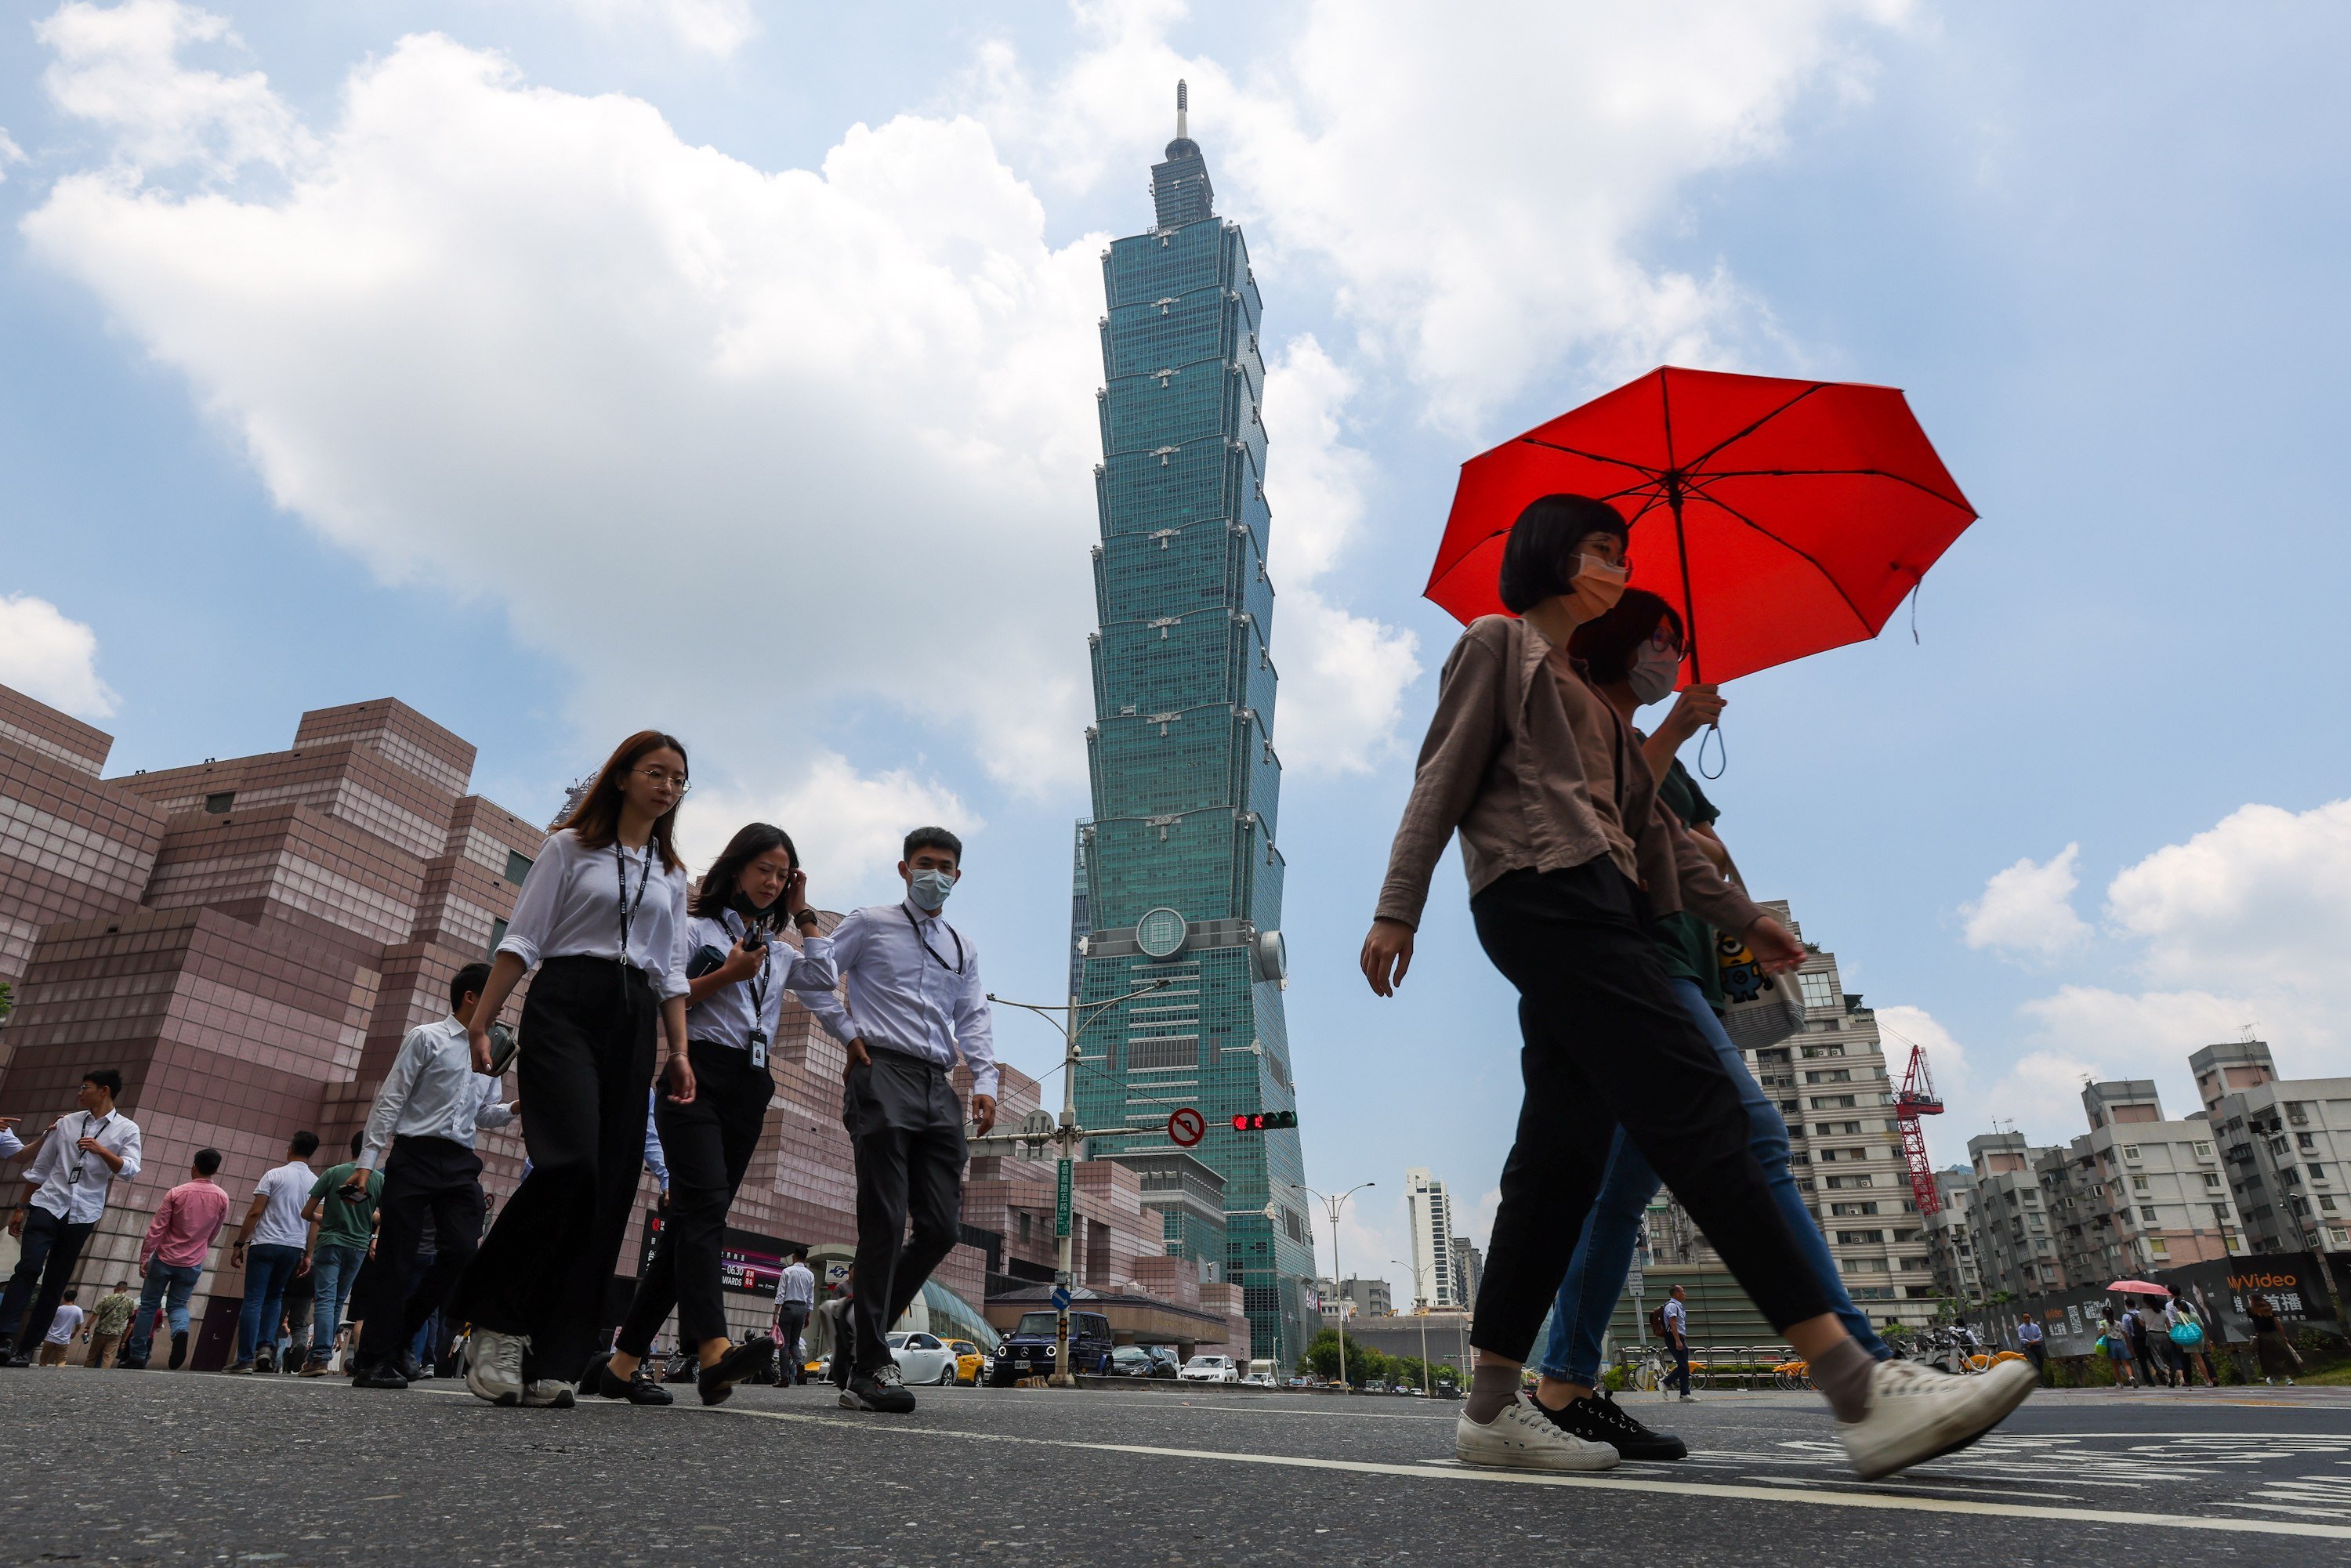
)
(1657, 1320)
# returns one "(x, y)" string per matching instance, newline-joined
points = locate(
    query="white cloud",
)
(849, 826)
(2028, 908)
(2256, 902)
(716, 27)
(638, 392)
(50, 658)
(119, 66)
(9, 153)
(1342, 675)
(1480, 186)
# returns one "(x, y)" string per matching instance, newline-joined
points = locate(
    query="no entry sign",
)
(1185, 1127)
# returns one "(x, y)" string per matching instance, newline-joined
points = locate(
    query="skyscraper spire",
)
(1181, 103)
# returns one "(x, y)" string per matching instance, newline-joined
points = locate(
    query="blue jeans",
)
(1603, 1252)
(176, 1281)
(266, 1269)
(334, 1267)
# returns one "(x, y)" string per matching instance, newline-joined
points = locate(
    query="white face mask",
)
(1655, 671)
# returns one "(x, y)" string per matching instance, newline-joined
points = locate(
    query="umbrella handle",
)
(1721, 752)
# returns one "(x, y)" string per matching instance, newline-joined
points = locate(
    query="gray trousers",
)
(905, 1128)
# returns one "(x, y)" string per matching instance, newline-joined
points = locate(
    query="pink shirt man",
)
(181, 1235)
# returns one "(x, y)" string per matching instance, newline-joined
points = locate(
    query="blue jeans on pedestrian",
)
(334, 1267)
(171, 1281)
(266, 1269)
(1603, 1252)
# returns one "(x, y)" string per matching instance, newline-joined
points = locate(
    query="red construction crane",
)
(1918, 1099)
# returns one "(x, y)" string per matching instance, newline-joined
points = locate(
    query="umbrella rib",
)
(1704, 479)
(1826, 575)
(1595, 457)
(1741, 435)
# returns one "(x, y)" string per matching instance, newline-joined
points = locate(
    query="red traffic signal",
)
(1263, 1121)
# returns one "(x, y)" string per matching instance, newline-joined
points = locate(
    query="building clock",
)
(1160, 933)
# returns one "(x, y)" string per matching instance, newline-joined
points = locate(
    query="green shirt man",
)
(342, 1221)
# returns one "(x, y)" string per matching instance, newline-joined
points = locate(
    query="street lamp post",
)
(1334, 1205)
(1421, 1300)
(1066, 1136)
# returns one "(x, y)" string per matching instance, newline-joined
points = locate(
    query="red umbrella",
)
(2138, 1287)
(1801, 512)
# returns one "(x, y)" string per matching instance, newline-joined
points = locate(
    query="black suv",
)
(1030, 1349)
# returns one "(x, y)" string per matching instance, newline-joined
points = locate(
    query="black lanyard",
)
(628, 910)
(73, 1172)
(925, 940)
(765, 979)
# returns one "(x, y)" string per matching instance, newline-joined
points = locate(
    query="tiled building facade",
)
(1951, 1236)
(2285, 1145)
(2136, 1192)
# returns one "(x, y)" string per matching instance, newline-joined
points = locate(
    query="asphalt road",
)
(192, 1467)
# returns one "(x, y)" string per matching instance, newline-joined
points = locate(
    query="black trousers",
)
(791, 1317)
(905, 1128)
(708, 1145)
(587, 1057)
(424, 1178)
(1678, 1378)
(1608, 1043)
(44, 1268)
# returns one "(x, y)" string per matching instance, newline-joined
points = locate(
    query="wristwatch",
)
(804, 916)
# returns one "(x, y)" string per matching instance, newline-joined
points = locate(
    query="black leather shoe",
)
(382, 1374)
(19, 1359)
(751, 1359)
(638, 1390)
(412, 1369)
(179, 1349)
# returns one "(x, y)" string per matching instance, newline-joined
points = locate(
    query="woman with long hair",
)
(735, 999)
(1570, 858)
(600, 918)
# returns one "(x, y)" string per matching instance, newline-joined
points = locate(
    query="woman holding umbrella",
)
(1569, 858)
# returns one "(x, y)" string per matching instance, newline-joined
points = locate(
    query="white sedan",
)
(1209, 1369)
(922, 1358)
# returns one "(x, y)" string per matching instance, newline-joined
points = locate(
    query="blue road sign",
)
(1061, 1299)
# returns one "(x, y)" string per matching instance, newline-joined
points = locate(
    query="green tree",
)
(7, 1001)
(1363, 1363)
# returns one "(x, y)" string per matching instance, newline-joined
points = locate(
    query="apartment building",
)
(1429, 1215)
(1951, 1236)
(2016, 1247)
(2284, 1145)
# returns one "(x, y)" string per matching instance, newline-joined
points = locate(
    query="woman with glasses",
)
(600, 918)
(1632, 656)
(738, 978)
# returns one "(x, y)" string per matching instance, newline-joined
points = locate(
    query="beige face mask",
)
(1596, 587)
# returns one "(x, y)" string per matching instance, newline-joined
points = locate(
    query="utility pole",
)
(1334, 1205)
(1038, 1129)
(1420, 1311)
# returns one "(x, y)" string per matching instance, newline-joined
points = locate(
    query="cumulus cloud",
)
(849, 826)
(2028, 910)
(119, 66)
(46, 655)
(2255, 902)
(1342, 674)
(631, 388)
(1480, 190)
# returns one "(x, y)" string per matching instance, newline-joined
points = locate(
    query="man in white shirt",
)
(279, 1237)
(80, 1159)
(426, 1114)
(795, 1299)
(1676, 1318)
(62, 1328)
(916, 1004)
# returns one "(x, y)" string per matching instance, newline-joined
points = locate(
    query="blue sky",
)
(562, 367)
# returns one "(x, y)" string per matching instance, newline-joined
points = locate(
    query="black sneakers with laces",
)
(879, 1390)
(1597, 1418)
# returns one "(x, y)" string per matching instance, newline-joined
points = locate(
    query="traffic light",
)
(1263, 1121)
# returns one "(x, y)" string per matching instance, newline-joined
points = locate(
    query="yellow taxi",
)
(968, 1361)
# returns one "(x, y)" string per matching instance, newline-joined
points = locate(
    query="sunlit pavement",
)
(169, 1467)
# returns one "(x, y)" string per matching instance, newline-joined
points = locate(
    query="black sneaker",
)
(380, 1374)
(1597, 1418)
(741, 1363)
(640, 1389)
(179, 1349)
(878, 1390)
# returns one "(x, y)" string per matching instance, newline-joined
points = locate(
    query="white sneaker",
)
(548, 1393)
(1522, 1438)
(494, 1365)
(1916, 1413)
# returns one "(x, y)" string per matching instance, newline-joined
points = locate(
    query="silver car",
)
(922, 1358)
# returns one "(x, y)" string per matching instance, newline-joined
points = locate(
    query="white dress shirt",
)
(728, 1015)
(570, 904)
(71, 1183)
(796, 1287)
(433, 1092)
(914, 987)
(10, 1143)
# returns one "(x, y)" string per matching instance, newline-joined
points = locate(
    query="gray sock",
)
(1492, 1386)
(1842, 1374)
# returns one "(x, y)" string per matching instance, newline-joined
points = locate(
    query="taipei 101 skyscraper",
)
(1180, 879)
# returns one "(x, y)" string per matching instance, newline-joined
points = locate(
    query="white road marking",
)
(1867, 1501)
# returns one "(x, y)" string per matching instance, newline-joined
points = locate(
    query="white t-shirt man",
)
(287, 1188)
(1676, 1318)
(63, 1327)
